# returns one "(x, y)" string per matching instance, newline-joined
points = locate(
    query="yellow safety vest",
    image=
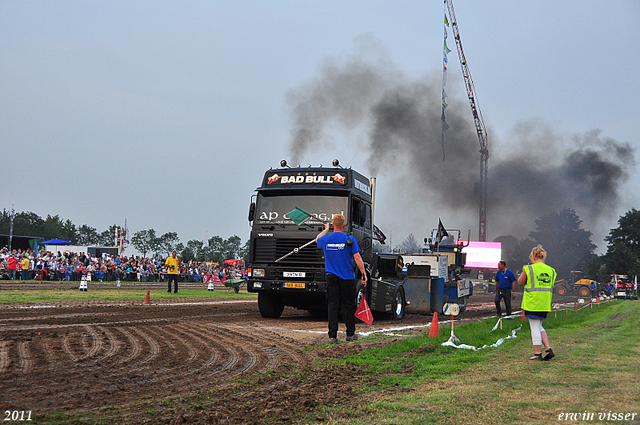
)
(539, 288)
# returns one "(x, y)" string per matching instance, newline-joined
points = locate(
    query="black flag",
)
(378, 235)
(441, 233)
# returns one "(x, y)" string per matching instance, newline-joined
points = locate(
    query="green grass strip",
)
(594, 374)
(62, 295)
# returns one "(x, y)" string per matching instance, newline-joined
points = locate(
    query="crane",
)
(478, 121)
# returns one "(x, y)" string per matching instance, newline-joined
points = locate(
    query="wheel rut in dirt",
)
(79, 359)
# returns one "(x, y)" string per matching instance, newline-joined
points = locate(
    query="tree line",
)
(146, 242)
(569, 247)
(560, 233)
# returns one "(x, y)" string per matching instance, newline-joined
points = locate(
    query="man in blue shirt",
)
(338, 249)
(609, 288)
(505, 284)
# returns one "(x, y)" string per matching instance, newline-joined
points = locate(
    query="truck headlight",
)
(258, 273)
(257, 284)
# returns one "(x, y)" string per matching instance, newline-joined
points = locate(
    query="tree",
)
(409, 245)
(55, 227)
(232, 247)
(187, 254)
(24, 224)
(244, 252)
(515, 253)
(144, 241)
(168, 242)
(594, 268)
(567, 245)
(87, 235)
(623, 250)
(108, 237)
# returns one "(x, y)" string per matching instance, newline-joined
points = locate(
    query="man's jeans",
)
(506, 294)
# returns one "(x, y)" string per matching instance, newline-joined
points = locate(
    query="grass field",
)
(61, 295)
(592, 379)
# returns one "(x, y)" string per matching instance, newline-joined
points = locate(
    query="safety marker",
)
(434, 331)
(522, 316)
(210, 286)
(575, 306)
(598, 302)
(363, 312)
(83, 284)
(498, 323)
(147, 300)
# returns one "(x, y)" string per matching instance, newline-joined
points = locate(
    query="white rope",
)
(453, 339)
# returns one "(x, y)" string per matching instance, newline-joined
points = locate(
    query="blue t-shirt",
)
(505, 280)
(338, 254)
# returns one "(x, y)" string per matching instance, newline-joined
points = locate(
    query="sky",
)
(167, 114)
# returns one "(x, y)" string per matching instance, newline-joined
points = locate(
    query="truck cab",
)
(298, 279)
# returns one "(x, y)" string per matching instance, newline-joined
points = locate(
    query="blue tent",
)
(55, 242)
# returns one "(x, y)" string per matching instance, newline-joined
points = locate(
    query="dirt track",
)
(77, 357)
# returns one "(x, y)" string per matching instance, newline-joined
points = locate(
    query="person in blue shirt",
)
(505, 287)
(339, 249)
(609, 288)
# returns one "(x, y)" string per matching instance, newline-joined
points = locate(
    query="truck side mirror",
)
(252, 211)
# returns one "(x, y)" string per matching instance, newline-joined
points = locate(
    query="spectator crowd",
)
(71, 266)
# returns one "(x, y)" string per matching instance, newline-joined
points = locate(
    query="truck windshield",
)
(274, 209)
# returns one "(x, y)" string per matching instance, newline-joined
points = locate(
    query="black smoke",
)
(397, 122)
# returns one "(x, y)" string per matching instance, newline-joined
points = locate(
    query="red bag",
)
(363, 312)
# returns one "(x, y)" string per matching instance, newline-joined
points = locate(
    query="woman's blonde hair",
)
(538, 253)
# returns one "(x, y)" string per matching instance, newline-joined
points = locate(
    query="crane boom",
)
(478, 121)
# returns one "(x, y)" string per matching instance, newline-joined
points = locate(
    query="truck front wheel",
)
(399, 304)
(270, 305)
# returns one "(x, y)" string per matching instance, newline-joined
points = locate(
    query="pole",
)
(295, 250)
(11, 228)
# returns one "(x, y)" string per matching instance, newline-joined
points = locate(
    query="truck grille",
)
(269, 250)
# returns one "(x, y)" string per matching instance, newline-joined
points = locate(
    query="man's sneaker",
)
(333, 340)
(353, 337)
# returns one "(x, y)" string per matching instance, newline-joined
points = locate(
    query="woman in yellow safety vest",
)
(537, 279)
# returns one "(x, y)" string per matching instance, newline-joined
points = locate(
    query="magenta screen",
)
(483, 255)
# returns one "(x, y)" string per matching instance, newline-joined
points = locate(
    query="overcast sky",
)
(168, 113)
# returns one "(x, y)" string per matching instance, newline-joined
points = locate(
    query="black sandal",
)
(536, 357)
(548, 354)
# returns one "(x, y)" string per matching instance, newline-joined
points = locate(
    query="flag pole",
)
(299, 216)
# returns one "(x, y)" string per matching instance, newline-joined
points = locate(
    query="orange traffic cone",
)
(434, 331)
(522, 317)
(575, 306)
(146, 300)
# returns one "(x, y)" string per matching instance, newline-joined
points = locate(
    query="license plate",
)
(294, 285)
(294, 274)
